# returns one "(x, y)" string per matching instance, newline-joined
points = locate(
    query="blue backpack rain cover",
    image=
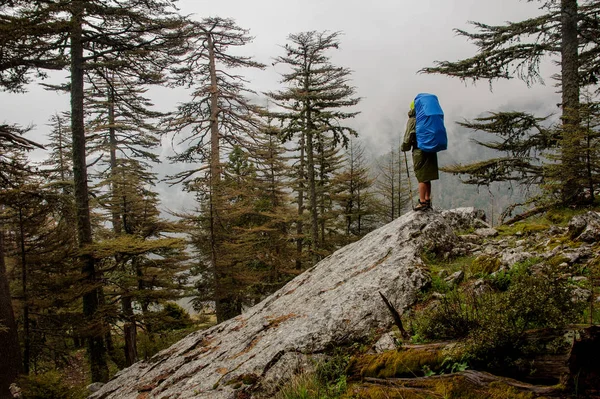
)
(431, 133)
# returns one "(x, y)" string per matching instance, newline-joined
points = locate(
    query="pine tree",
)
(517, 49)
(218, 117)
(354, 195)
(144, 263)
(220, 113)
(269, 156)
(328, 161)
(121, 125)
(297, 179)
(392, 186)
(82, 35)
(60, 160)
(20, 214)
(43, 250)
(312, 106)
(11, 143)
(590, 118)
(255, 253)
(257, 248)
(521, 137)
(10, 351)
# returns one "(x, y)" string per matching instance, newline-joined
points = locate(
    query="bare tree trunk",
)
(26, 334)
(350, 207)
(399, 181)
(10, 352)
(116, 215)
(392, 188)
(312, 191)
(226, 305)
(571, 151)
(61, 146)
(310, 170)
(300, 200)
(96, 348)
(321, 192)
(215, 176)
(129, 331)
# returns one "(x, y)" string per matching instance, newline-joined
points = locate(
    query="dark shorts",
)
(426, 165)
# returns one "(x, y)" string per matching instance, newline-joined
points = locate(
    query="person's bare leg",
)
(427, 191)
(423, 191)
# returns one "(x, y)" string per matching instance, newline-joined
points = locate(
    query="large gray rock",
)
(585, 227)
(511, 256)
(464, 219)
(334, 303)
(455, 278)
(486, 232)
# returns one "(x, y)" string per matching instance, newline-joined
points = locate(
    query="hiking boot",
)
(422, 206)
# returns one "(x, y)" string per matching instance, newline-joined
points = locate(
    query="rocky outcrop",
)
(334, 303)
(585, 227)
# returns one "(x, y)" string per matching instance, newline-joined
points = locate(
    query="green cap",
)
(412, 105)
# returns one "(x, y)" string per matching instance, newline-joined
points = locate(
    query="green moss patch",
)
(402, 363)
(523, 228)
(484, 265)
(456, 387)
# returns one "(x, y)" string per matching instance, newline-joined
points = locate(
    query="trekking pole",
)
(409, 183)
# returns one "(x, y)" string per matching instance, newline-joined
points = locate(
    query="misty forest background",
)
(92, 257)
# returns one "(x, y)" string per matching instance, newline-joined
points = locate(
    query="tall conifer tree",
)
(313, 104)
(80, 35)
(567, 28)
(354, 195)
(218, 117)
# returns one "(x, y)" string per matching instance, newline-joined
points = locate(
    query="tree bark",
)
(571, 151)
(312, 191)
(226, 305)
(115, 213)
(26, 334)
(300, 199)
(129, 331)
(95, 342)
(10, 352)
(474, 377)
(215, 177)
(321, 191)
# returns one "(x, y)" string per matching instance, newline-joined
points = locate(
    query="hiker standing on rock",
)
(425, 141)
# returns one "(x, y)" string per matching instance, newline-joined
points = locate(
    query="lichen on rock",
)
(335, 303)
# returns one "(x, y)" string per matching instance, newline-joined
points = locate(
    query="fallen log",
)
(479, 379)
(564, 357)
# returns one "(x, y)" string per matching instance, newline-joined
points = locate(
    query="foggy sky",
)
(384, 43)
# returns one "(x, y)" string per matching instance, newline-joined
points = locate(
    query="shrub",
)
(502, 279)
(304, 386)
(452, 318)
(171, 317)
(327, 382)
(532, 301)
(438, 284)
(334, 369)
(493, 325)
(49, 385)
